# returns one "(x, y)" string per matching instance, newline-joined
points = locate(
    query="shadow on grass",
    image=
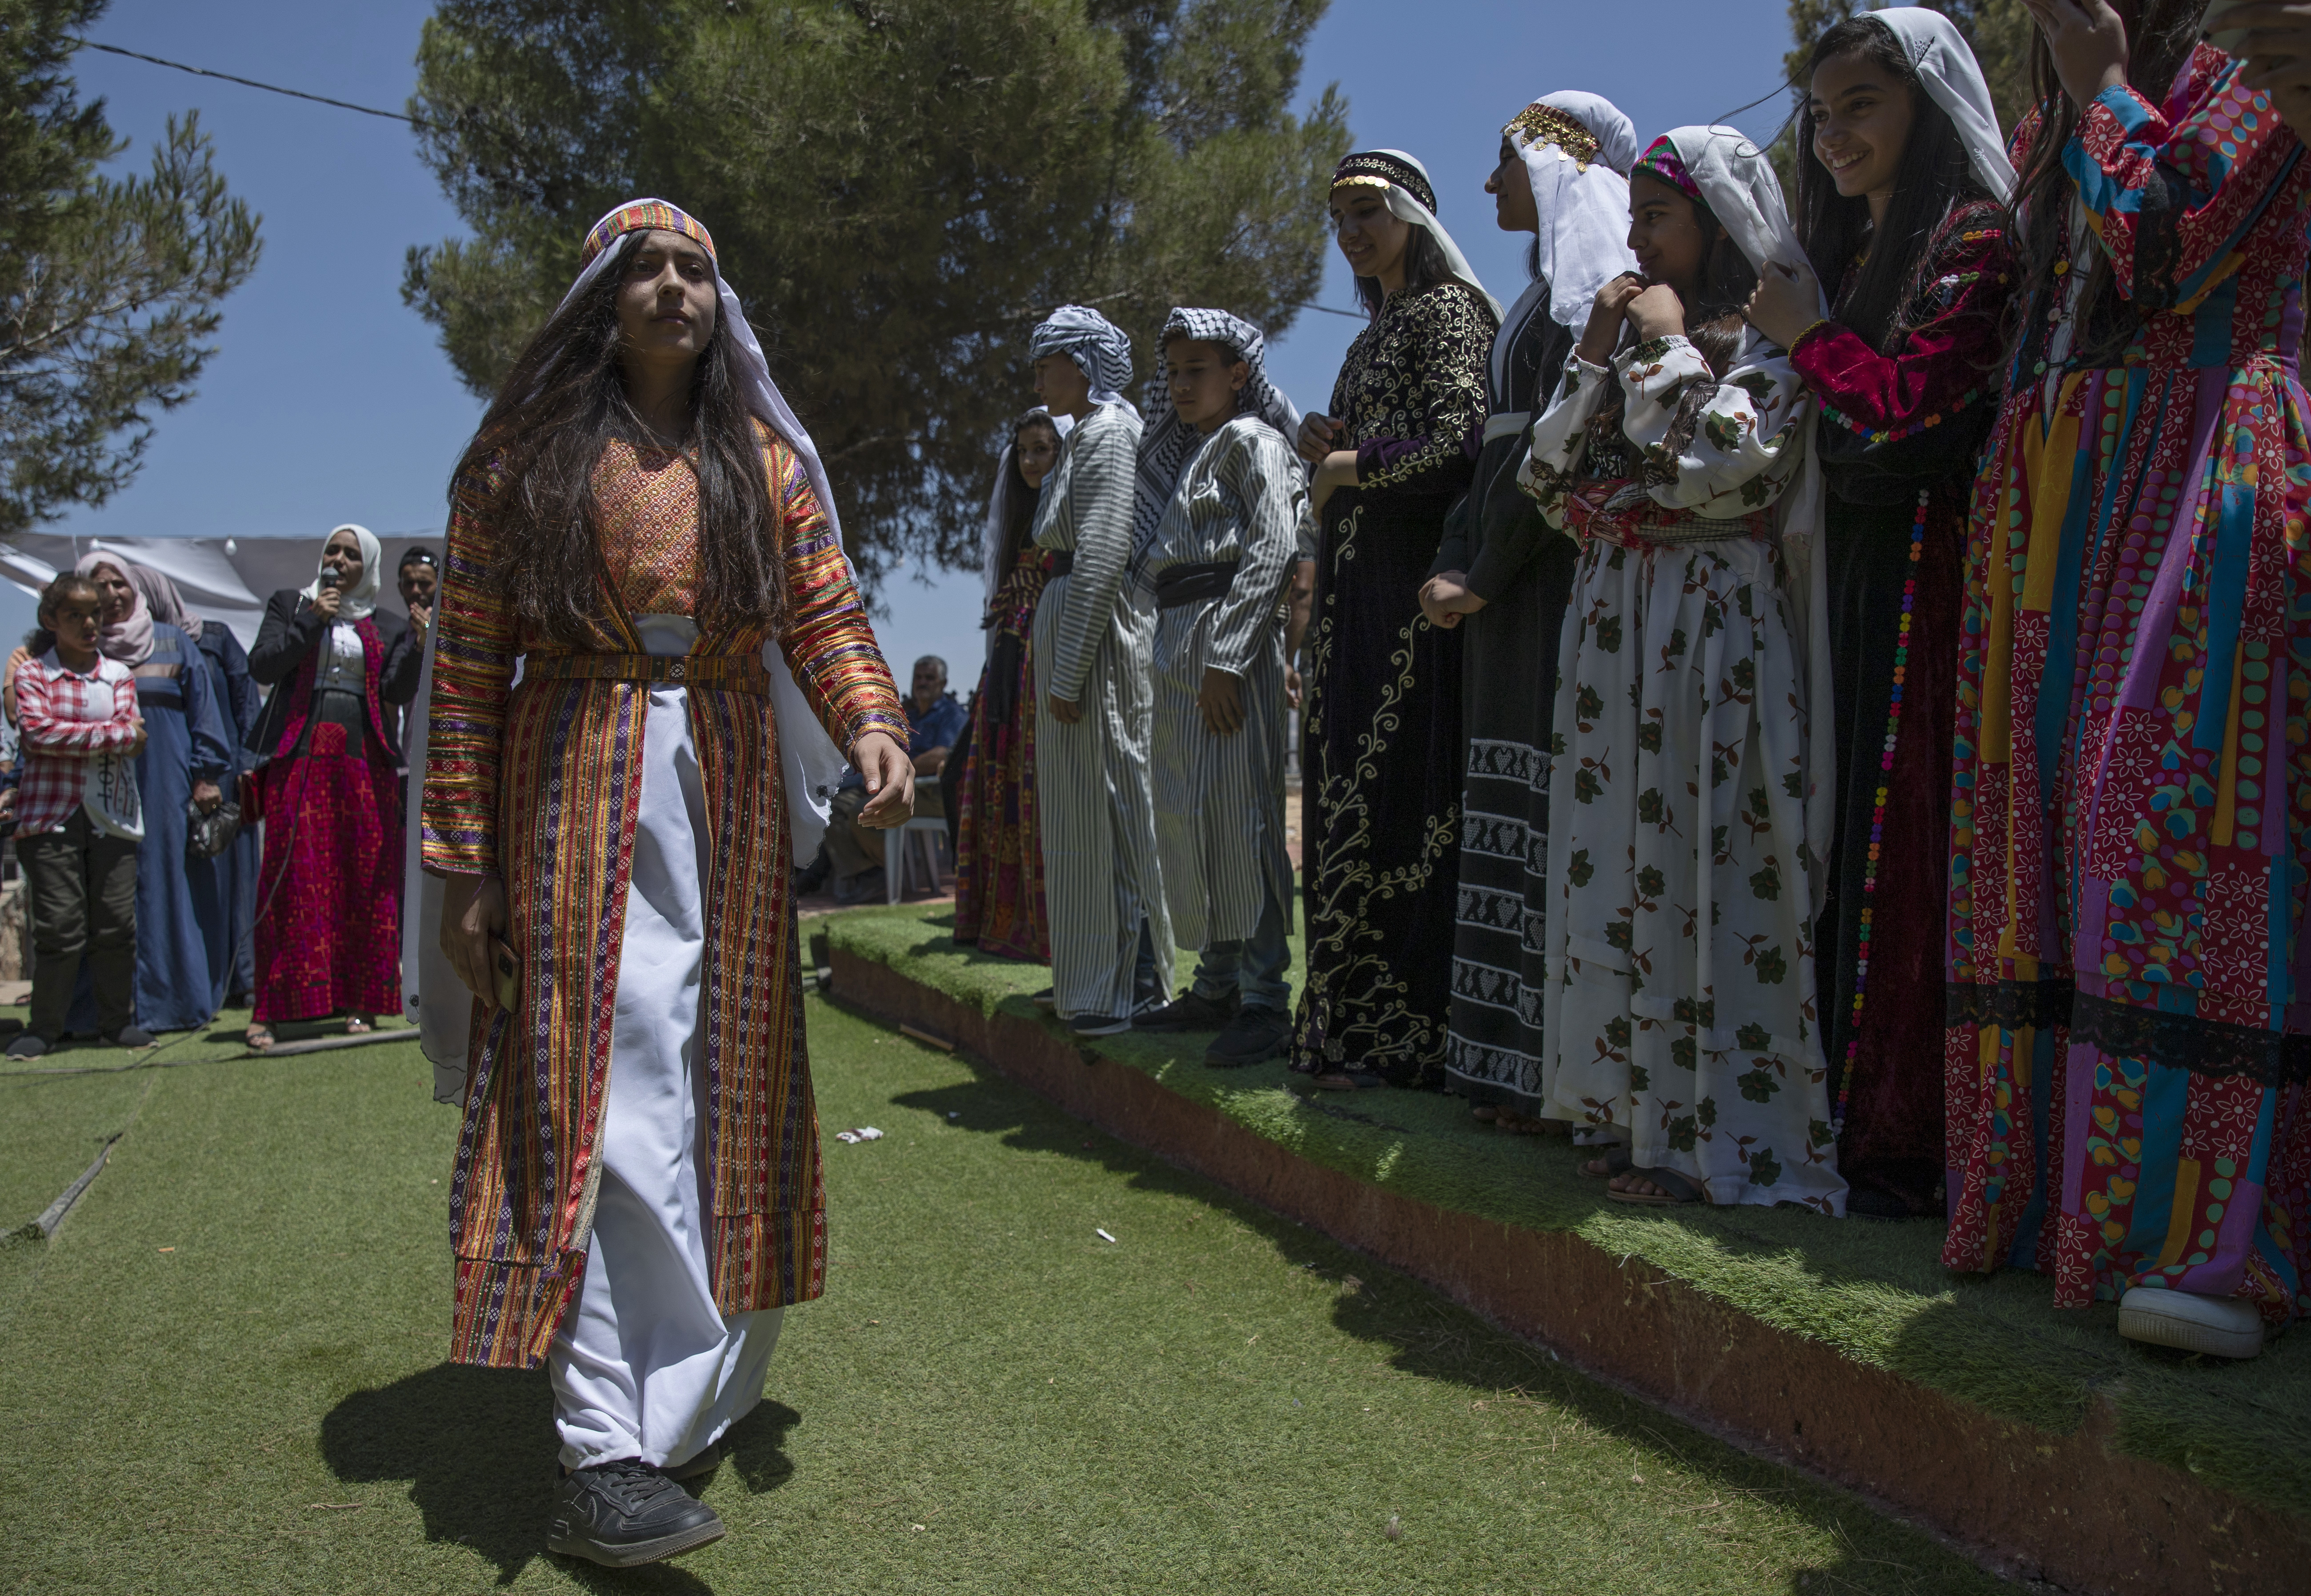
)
(1421, 1333)
(479, 1448)
(476, 1446)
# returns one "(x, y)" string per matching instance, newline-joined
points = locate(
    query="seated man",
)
(853, 853)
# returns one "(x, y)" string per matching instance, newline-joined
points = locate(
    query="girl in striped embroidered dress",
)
(2126, 1051)
(637, 1207)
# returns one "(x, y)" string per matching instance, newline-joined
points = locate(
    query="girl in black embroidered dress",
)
(1381, 754)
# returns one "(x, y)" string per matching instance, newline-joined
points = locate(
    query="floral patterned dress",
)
(2128, 1048)
(1680, 1014)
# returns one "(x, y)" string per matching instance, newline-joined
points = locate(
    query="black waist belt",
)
(1062, 561)
(167, 698)
(1178, 585)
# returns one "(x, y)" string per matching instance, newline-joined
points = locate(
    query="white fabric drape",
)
(1406, 207)
(1736, 178)
(1583, 242)
(1952, 78)
(645, 1365)
(998, 503)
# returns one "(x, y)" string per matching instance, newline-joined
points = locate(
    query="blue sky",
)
(329, 401)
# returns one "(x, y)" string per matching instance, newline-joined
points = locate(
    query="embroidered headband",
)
(645, 216)
(1542, 123)
(1377, 168)
(1662, 161)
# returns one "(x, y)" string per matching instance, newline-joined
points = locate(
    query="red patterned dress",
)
(998, 878)
(541, 782)
(2127, 1050)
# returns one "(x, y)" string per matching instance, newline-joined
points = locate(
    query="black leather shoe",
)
(1190, 1012)
(1252, 1037)
(625, 1513)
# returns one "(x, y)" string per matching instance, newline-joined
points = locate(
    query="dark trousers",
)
(82, 886)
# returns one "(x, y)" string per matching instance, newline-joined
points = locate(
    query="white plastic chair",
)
(930, 833)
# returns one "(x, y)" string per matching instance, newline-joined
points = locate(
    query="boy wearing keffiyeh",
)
(1221, 502)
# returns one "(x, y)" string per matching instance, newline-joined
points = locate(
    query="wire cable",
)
(250, 82)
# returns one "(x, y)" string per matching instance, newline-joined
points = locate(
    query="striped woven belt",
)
(744, 672)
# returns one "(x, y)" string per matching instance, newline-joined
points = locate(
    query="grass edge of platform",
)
(1875, 1292)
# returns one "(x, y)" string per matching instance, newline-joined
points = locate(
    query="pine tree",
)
(898, 190)
(108, 288)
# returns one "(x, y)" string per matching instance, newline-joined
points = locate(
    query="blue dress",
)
(184, 742)
(228, 913)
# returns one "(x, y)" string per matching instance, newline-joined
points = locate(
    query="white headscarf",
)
(1737, 182)
(1409, 204)
(1007, 484)
(1582, 196)
(1952, 78)
(360, 600)
(809, 761)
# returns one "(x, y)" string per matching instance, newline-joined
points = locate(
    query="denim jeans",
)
(1252, 967)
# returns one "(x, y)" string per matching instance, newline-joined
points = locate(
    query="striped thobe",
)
(1219, 797)
(1100, 873)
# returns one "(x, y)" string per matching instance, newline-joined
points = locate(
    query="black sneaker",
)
(1099, 1024)
(129, 1036)
(1254, 1036)
(1189, 1011)
(625, 1513)
(27, 1046)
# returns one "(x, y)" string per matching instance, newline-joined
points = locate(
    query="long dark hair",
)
(562, 403)
(1935, 177)
(2158, 48)
(1023, 496)
(1425, 267)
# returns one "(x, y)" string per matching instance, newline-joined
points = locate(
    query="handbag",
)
(207, 835)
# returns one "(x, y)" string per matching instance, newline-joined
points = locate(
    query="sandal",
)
(258, 1039)
(357, 1027)
(1675, 1190)
(1613, 1155)
(1349, 1081)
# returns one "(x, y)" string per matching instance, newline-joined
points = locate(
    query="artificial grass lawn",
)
(1874, 1290)
(989, 1397)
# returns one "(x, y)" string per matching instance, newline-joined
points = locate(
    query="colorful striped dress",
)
(2126, 1047)
(542, 783)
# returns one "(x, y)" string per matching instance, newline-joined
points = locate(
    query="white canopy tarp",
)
(221, 578)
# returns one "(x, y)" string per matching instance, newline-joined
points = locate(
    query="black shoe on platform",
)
(625, 1513)
(704, 1461)
(1253, 1037)
(1189, 1011)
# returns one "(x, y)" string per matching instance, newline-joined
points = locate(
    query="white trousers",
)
(645, 1367)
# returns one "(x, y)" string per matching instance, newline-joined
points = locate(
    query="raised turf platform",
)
(2036, 1439)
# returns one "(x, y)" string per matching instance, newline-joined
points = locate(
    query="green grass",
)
(225, 1374)
(1875, 1291)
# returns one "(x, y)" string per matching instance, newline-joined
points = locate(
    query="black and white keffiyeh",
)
(1166, 442)
(1098, 347)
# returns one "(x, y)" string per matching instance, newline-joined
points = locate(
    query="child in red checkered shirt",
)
(78, 820)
